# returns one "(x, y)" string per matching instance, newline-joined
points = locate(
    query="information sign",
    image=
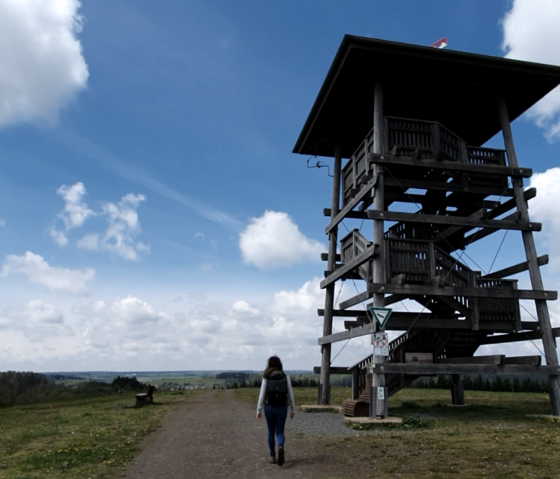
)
(381, 315)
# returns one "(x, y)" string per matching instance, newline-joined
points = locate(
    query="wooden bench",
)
(359, 407)
(145, 398)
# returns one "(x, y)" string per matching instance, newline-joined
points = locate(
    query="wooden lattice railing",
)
(426, 140)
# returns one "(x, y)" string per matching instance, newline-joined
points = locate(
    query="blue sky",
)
(153, 215)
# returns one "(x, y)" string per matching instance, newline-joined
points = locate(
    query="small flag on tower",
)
(442, 43)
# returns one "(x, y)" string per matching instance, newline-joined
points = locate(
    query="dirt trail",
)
(213, 435)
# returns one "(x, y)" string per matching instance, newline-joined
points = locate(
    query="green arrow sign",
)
(381, 315)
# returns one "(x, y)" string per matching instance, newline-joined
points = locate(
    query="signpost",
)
(380, 341)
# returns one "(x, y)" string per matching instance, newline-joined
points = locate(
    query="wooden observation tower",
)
(409, 123)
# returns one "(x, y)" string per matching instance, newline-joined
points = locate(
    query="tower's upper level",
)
(459, 90)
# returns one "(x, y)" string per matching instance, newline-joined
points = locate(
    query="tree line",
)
(255, 380)
(28, 388)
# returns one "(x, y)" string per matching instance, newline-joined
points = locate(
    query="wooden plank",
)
(454, 229)
(359, 215)
(428, 369)
(325, 257)
(518, 268)
(354, 300)
(454, 220)
(473, 168)
(484, 232)
(422, 184)
(453, 303)
(531, 360)
(360, 321)
(359, 260)
(509, 205)
(351, 333)
(495, 360)
(366, 190)
(451, 200)
(413, 290)
(515, 337)
(333, 370)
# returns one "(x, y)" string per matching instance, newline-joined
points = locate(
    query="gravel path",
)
(212, 434)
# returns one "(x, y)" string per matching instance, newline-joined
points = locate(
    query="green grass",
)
(493, 436)
(77, 439)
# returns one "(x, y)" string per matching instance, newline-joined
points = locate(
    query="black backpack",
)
(276, 389)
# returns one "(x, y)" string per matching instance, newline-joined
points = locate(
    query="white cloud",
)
(123, 227)
(37, 320)
(544, 208)
(38, 271)
(41, 62)
(274, 241)
(123, 224)
(75, 213)
(531, 32)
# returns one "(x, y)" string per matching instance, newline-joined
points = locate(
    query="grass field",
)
(77, 439)
(492, 437)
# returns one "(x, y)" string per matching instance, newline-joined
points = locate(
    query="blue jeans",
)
(275, 420)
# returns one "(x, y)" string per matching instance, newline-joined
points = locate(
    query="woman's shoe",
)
(272, 459)
(281, 455)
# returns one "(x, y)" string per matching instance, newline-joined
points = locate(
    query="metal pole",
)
(324, 386)
(549, 343)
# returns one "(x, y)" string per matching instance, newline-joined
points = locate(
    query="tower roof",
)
(457, 89)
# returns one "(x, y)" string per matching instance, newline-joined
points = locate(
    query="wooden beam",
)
(515, 337)
(484, 232)
(518, 268)
(454, 220)
(351, 205)
(400, 197)
(473, 168)
(351, 333)
(417, 369)
(360, 321)
(402, 321)
(333, 370)
(354, 300)
(457, 306)
(325, 257)
(455, 229)
(413, 290)
(346, 268)
(548, 340)
(509, 205)
(422, 184)
(359, 215)
(530, 360)
(494, 360)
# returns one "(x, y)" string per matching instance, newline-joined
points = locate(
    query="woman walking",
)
(276, 391)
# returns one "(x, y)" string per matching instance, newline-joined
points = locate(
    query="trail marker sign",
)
(381, 315)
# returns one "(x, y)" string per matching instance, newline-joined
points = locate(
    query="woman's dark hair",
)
(273, 364)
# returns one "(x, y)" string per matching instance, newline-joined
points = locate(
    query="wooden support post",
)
(355, 382)
(549, 343)
(324, 393)
(378, 407)
(457, 391)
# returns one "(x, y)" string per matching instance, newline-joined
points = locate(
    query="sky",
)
(152, 214)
